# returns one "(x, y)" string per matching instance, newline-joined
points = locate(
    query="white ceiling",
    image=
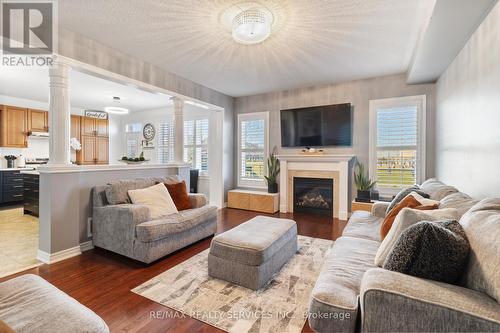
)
(451, 25)
(86, 91)
(316, 41)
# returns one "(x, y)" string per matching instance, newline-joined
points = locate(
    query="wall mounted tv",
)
(318, 126)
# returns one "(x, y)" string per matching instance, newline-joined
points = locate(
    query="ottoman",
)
(250, 254)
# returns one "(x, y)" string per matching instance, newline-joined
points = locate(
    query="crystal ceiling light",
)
(249, 22)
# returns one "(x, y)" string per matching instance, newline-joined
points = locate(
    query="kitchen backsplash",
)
(37, 147)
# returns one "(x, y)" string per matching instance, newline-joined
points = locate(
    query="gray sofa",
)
(30, 304)
(352, 294)
(127, 229)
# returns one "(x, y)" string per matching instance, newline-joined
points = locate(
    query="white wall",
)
(468, 114)
(209, 183)
(358, 93)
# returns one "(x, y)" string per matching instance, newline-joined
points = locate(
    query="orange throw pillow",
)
(410, 202)
(179, 194)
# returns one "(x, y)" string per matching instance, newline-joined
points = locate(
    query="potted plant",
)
(273, 170)
(363, 183)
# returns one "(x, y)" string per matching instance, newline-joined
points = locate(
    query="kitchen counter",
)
(30, 172)
(16, 169)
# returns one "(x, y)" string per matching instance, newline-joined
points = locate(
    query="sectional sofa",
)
(352, 294)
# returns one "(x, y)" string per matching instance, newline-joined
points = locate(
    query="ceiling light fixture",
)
(116, 109)
(249, 22)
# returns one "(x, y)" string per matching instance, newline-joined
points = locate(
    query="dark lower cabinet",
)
(31, 194)
(12, 186)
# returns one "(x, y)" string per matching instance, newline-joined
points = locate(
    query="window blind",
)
(196, 143)
(165, 143)
(397, 146)
(252, 145)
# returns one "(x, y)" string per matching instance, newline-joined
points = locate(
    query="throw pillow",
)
(410, 202)
(406, 218)
(4, 328)
(179, 194)
(402, 194)
(424, 201)
(156, 198)
(431, 250)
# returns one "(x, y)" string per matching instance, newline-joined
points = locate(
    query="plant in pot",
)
(363, 183)
(273, 170)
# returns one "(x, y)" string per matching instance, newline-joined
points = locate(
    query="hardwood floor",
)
(102, 280)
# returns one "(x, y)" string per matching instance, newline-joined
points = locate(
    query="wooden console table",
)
(253, 200)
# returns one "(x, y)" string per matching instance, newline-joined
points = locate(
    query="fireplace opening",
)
(313, 195)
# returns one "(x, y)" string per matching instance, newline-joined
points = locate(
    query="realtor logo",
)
(29, 32)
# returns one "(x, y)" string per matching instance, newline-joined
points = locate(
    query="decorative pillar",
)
(178, 129)
(59, 114)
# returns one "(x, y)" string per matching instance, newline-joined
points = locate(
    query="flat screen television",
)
(318, 126)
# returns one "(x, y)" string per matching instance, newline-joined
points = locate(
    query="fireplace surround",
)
(334, 167)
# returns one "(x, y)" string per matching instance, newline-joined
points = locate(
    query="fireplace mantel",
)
(320, 166)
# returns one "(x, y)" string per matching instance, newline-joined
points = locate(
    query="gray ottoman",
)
(250, 254)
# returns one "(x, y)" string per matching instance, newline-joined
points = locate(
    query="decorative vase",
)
(363, 196)
(272, 188)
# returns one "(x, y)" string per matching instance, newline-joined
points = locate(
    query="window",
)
(196, 144)
(252, 148)
(397, 142)
(165, 143)
(132, 137)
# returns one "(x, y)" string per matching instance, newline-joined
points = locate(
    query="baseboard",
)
(50, 258)
(85, 246)
(343, 215)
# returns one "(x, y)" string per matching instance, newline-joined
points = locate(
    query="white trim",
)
(110, 167)
(50, 258)
(251, 116)
(420, 101)
(86, 246)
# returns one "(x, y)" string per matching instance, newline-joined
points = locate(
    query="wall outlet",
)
(89, 227)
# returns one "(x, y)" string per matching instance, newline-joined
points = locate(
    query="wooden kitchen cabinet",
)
(38, 120)
(75, 127)
(95, 141)
(13, 125)
(101, 150)
(101, 127)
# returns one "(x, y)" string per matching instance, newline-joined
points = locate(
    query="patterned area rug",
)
(281, 306)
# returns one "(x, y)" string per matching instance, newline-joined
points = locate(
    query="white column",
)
(178, 129)
(59, 114)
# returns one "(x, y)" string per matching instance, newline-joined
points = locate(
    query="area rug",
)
(281, 306)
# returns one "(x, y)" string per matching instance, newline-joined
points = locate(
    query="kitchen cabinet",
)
(38, 121)
(13, 125)
(12, 186)
(31, 194)
(75, 126)
(95, 141)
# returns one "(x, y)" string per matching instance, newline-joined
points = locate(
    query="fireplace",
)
(313, 195)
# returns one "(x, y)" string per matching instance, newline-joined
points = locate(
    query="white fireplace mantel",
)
(319, 163)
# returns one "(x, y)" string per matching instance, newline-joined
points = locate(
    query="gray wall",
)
(468, 114)
(88, 51)
(358, 93)
(65, 202)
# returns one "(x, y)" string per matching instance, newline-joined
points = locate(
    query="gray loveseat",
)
(127, 229)
(352, 294)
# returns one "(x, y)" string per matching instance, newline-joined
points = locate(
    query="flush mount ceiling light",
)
(249, 22)
(116, 109)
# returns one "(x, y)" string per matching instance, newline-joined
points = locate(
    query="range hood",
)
(38, 134)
